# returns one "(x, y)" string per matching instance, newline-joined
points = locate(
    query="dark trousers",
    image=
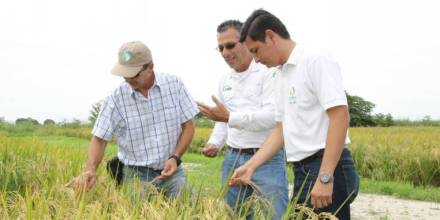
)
(346, 183)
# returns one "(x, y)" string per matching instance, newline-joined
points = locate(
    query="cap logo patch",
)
(126, 56)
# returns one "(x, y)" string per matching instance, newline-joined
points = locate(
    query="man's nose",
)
(226, 52)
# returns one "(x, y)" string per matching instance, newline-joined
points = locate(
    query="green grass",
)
(203, 171)
(401, 190)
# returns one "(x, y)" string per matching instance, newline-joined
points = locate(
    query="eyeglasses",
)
(140, 71)
(228, 46)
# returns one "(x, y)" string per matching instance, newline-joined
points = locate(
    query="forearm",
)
(337, 130)
(95, 153)
(219, 134)
(188, 129)
(263, 117)
(274, 142)
(252, 121)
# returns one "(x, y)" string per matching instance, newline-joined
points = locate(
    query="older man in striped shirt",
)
(151, 114)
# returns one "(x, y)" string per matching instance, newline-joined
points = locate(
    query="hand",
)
(169, 169)
(215, 113)
(321, 195)
(85, 180)
(241, 176)
(210, 150)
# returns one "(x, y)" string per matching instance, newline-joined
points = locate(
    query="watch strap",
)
(176, 158)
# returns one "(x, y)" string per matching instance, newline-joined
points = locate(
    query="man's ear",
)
(270, 36)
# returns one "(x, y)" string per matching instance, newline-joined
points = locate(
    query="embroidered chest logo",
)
(291, 97)
(275, 73)
(227, 88)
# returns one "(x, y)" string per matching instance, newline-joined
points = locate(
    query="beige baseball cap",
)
(131, 57)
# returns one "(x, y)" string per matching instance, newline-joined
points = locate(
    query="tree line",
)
(361, 113)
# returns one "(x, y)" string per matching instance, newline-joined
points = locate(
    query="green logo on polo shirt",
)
(291, 98)
(226, 88)
(275, 72)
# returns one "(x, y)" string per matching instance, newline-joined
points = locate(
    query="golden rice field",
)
(33, 186)
(409, 154)
(33, 175)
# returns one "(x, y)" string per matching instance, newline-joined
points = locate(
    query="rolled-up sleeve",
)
(262, 119)
(219, 134)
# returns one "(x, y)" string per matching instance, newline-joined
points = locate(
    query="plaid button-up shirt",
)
(147, 129)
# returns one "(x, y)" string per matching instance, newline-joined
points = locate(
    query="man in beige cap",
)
(151, 115)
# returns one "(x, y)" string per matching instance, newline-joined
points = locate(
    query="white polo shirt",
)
(309, 84)
(249, 98)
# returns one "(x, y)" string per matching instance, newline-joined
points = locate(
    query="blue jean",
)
(171, 187)
(346, 184)
(271, 178)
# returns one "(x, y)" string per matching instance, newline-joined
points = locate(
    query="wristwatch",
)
(325, 177)
(176, 158)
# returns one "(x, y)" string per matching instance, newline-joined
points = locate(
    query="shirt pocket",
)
(300, 105)
(133, 129)
(253, 91)
(303, 102)
(228, 95)
(171, 114)
(252, 97)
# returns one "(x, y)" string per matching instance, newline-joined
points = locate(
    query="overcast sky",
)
(56, 55)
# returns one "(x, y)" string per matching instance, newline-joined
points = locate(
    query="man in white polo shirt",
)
(151, 114)
(245, 115)
(312, 118)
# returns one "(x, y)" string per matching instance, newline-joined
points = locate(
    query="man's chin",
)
(267, 64)
(231, 64)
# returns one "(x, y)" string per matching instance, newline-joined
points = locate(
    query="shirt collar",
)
(253, 67)
(158, 81)
(294, 57)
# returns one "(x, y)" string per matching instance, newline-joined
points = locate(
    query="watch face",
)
(324, 177)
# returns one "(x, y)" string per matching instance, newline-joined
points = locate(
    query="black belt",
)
(249, 151)
(310, 158)
(137, 168)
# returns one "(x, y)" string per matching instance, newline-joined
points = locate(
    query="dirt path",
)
(370, 206)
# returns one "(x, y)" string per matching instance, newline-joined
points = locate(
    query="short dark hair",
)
(258, 22)
(224, 26)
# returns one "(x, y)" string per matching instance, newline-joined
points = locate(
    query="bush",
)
(31, 121)
(360, 111)
(94, 112)
(49, 122)
(383, 120)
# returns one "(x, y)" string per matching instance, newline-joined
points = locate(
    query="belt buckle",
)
(249, 151)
